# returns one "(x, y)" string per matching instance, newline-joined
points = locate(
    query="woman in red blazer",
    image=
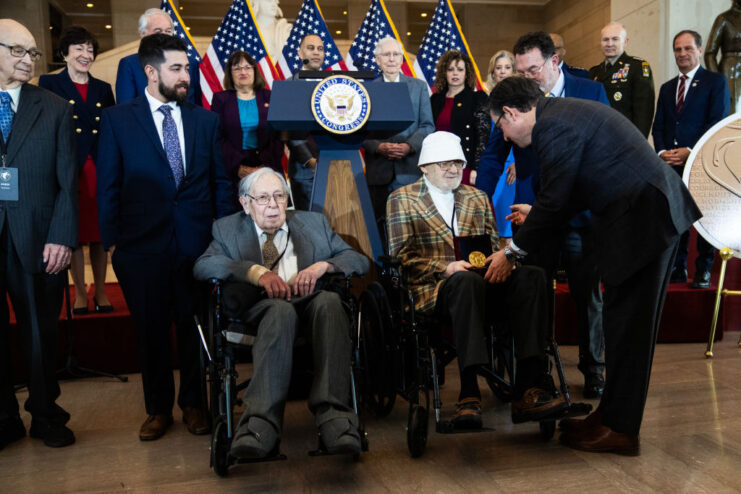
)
(248, 142)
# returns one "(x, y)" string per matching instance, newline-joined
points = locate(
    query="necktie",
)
(172, 144)
(270, 252)
(6, 114)
(680, 93)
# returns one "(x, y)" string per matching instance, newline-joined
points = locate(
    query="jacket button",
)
(78, 130)
(71, 102)
(98, 105)
(97, 119)
(468, 126)
(468, 138)
(95, 131)
(74, 117)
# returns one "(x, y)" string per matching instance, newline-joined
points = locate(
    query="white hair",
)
(248, 182)
(384, 40)
(148, 14)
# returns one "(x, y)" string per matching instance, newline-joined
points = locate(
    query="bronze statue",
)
(725, 36)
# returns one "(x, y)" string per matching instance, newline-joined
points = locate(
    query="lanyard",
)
(451, 226)
(285, 248)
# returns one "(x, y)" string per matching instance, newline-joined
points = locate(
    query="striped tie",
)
(680, 93)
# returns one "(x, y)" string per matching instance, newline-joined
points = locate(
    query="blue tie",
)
(172, 144)
(6, 114)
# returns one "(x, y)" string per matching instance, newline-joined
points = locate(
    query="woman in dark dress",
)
(247, 140)
(88, 96)
(458, 108)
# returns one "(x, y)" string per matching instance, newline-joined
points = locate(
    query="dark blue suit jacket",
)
(139, 208)
(131, 80)
(492, 160)
(576, 71)
(86, 115)
(707, 102)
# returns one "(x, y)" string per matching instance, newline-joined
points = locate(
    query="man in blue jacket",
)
(131, 79)
(688, 106)
(536, 58)
(161, 183)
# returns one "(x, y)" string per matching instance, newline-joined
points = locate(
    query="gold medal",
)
(617, 96)
(477, 259)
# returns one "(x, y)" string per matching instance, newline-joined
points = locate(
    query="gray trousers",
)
(322, 319)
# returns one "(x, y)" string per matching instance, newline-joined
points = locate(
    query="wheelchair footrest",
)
(241, 461)
(447, 427)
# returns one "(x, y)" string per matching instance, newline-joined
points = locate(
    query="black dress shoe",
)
(594, 384)
(11, 430)
(678, 276)
(701, 280)
(53, 435)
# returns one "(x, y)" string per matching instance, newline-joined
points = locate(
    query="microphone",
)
(305, 61)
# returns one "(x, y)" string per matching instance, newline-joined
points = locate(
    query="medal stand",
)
(725, 255)
(340, 190)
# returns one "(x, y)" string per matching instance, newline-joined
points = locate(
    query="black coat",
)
(86, 115)
(469, 120)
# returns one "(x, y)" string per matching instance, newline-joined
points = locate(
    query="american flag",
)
(309, 21)
(376, 25)
(444, 33)
(180, 31)
(238, 31)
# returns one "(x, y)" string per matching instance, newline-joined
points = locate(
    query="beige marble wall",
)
(34, 14)
(579, 22)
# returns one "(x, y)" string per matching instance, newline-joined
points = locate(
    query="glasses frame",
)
(391, 55)
(447, 165)
(33, 53)
(268, 197)
(534, 72)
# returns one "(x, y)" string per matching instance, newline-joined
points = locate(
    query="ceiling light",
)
(344, 12)
(89, 5)
(108, 26)
(409, 33)
(423, 14)
(338, 32)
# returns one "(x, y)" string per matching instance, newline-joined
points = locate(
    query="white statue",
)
(273, 27)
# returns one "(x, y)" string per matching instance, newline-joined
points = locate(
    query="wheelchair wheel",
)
(417, 430)
(376, 375)
(220, 446)
(547, 429)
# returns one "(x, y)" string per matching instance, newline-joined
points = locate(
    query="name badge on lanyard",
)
(8, 182)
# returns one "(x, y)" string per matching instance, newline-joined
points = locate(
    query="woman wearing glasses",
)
(247, 141)
(88, 96)
(458, 108)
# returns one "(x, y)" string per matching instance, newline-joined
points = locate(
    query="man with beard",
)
(161, 183)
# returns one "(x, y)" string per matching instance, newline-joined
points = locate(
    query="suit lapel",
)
(28, 111)
(303, 247)
(695, 86)
(463, 213)
(189, 134)
(247, 242)
(144, 115)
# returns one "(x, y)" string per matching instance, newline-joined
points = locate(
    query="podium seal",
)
(340, 104)
(713, 176)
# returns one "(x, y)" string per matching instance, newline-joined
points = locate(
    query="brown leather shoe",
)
(602, 439)
(196, 421)
(578, 425)
(467, 414)
(154, 427)
(537, 404)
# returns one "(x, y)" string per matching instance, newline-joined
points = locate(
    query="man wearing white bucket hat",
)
(441, 231)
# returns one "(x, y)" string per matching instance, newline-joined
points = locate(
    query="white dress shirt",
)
(445, 204)
(15, 97)
(690, 75)
(559, 89)
(386, 79)
(159, 118)
(288, 263)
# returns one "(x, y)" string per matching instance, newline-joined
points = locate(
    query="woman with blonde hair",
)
(501, 66)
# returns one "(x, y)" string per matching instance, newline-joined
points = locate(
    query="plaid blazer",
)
(421, 239)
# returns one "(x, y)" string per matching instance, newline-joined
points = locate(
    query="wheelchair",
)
(226, 342)
(402, 352)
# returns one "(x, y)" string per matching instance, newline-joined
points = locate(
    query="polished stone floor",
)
(691, 442)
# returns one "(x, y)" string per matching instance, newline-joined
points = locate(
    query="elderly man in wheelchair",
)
(272, 261)
(442, 232)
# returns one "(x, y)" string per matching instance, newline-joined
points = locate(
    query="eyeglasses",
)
(496, 124)
(533, 71)
(264, 199)
(245, 68)
(391, 54)
(19, 52)
(448, 165)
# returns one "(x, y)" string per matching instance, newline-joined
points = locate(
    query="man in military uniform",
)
(628, 81)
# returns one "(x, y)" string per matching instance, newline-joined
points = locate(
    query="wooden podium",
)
(340, 190)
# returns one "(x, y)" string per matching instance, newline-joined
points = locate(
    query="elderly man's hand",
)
(499, 268)
(305, 281)
(511, 174)
(274, 286)
(56, 257)
(519, 213)
(456, 266)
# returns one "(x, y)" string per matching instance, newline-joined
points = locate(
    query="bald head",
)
(15, 71)
(558, 44)
(613, 40)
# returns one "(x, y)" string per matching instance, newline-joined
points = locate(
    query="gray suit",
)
(234, 250)
(41, 147)
(385, 176)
